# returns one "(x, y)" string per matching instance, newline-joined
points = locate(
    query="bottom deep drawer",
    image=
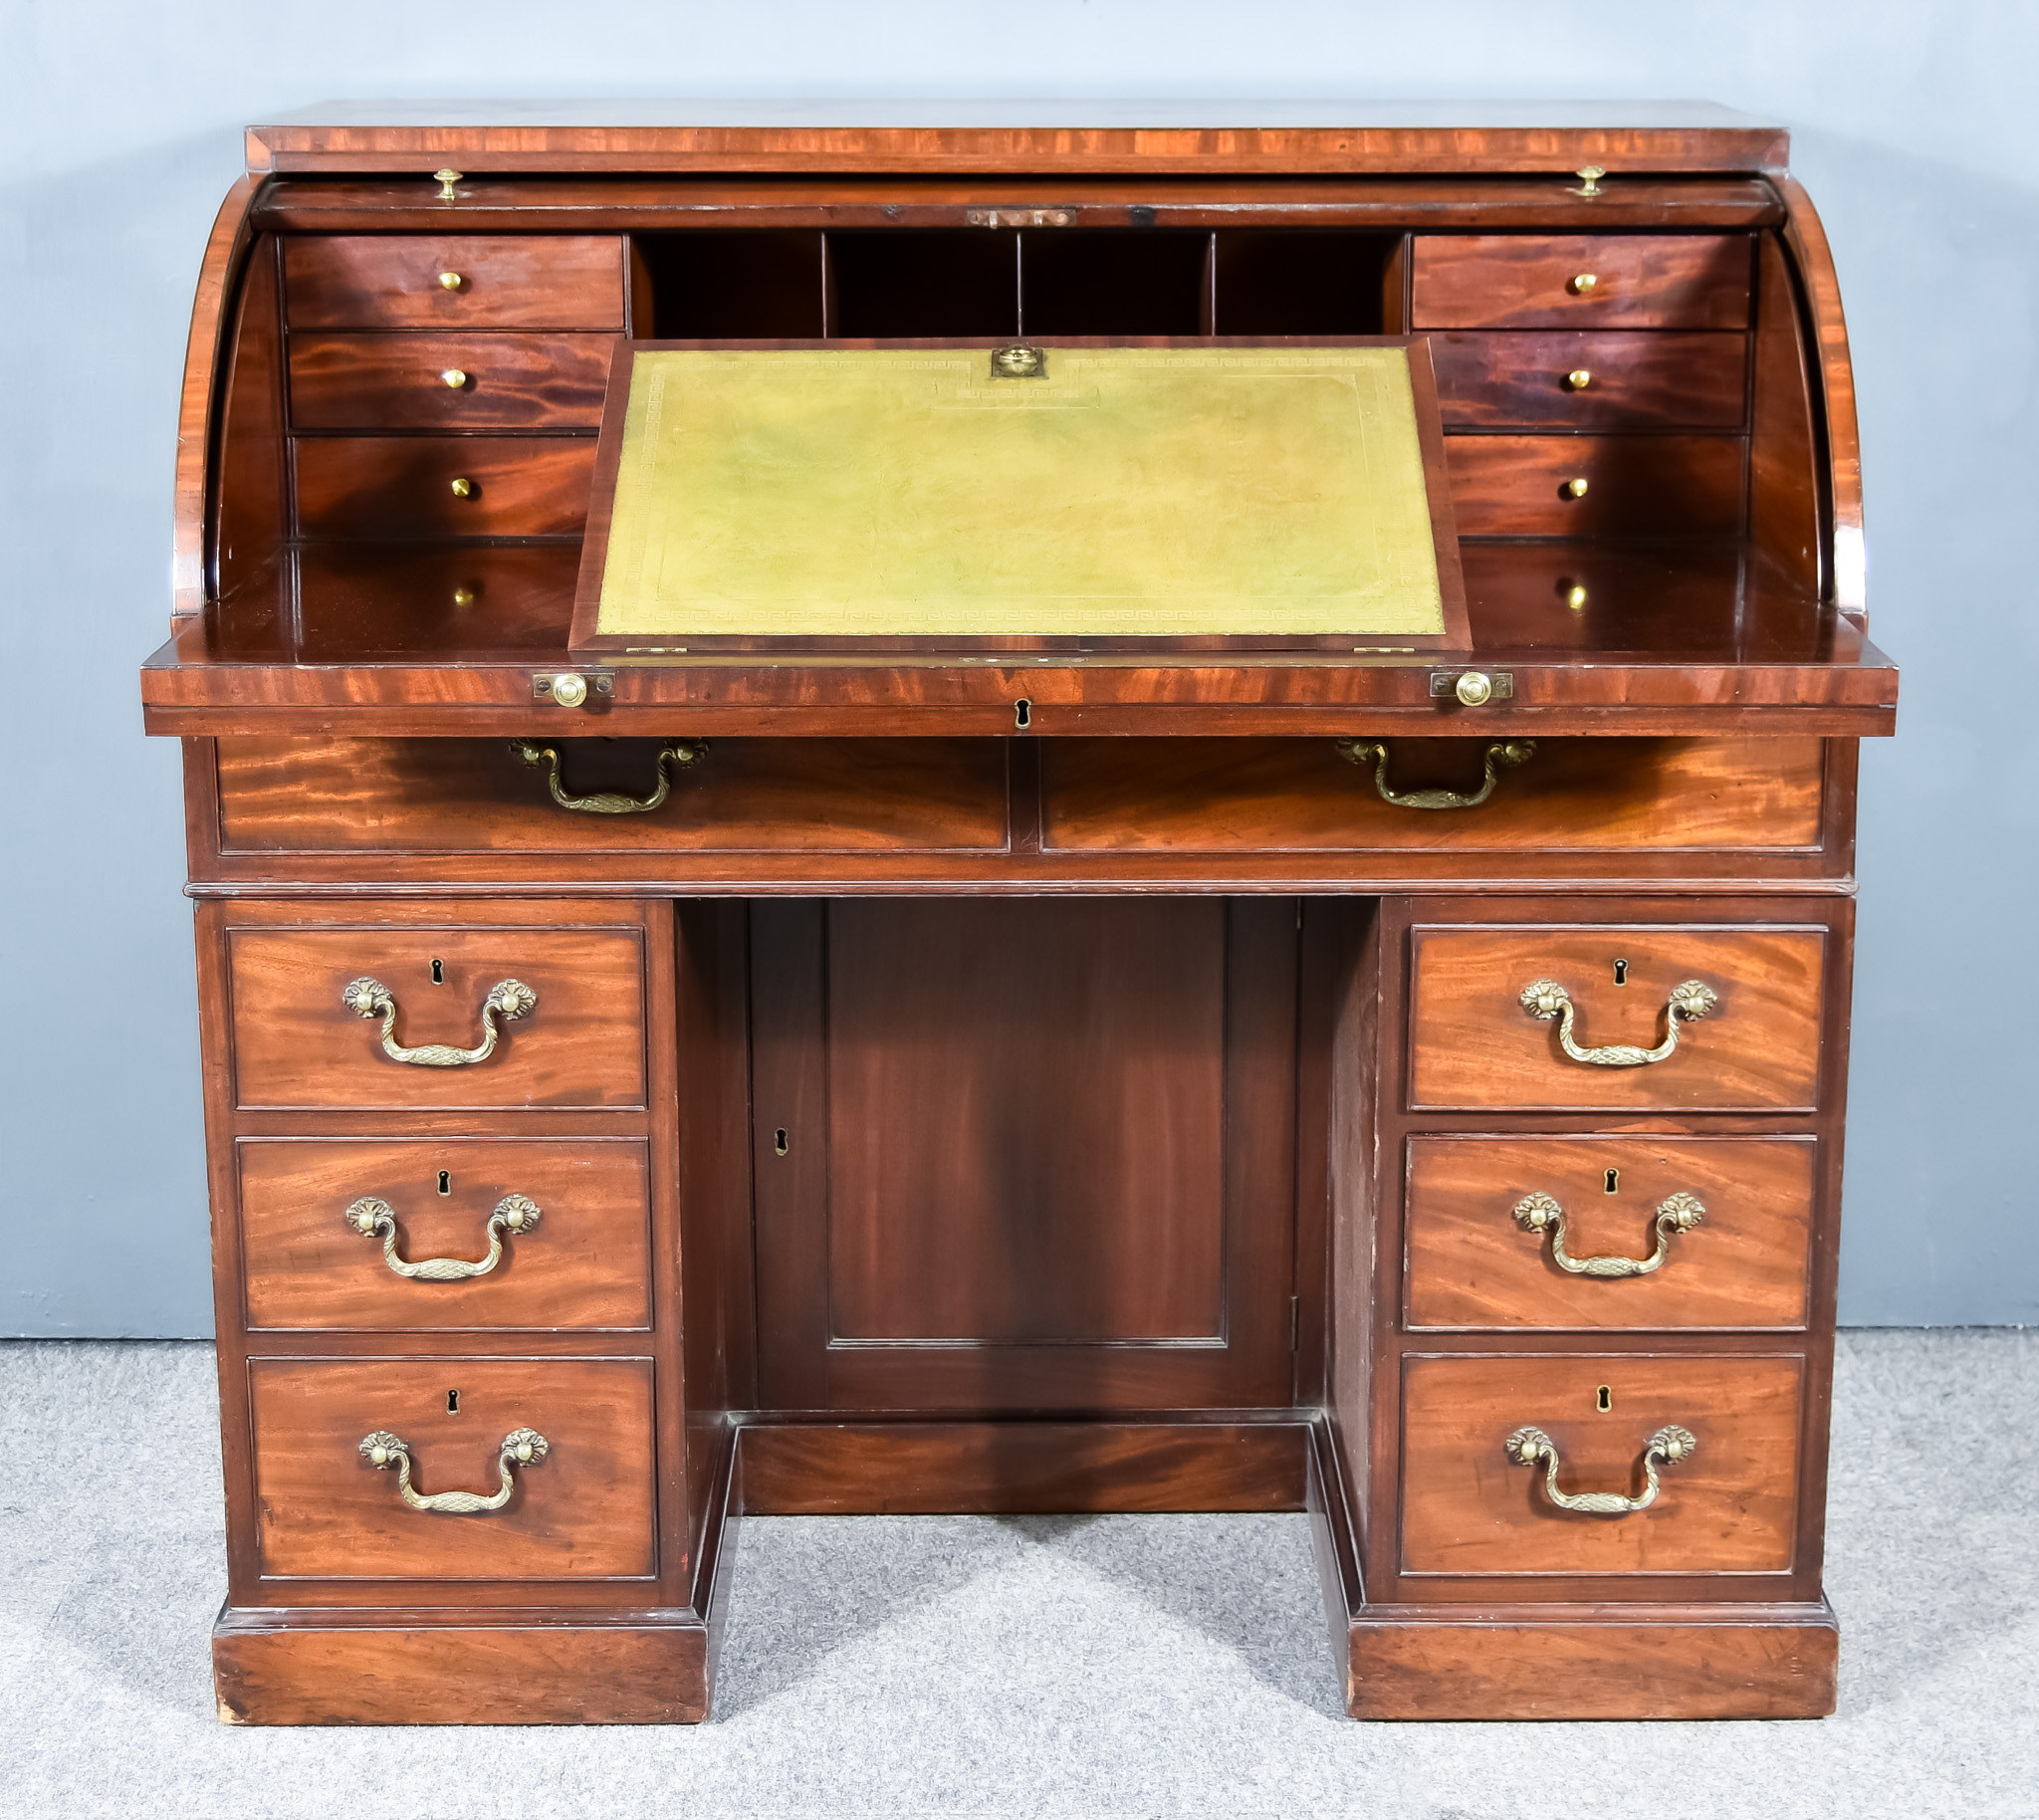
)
(1718, 1433)
(579, 1502)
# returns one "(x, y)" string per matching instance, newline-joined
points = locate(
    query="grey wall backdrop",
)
(119, 132)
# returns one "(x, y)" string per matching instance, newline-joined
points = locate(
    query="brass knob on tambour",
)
(1578, 379)
(454, 377)
(1474, 687)
(1582, 285)
(569, 690)
(1575, 487)
(446, 181)
(450, 281)
(463, 488)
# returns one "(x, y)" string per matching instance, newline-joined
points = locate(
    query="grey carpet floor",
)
(1055, 1665)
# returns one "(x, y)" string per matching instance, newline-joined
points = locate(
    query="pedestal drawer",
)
(448, 381)
(1728, 1497)
(498, 281)
(486, 1234)
(1580, 281)
(582, 1507)
(479, 1016)
(1608, 1233)
(1616, 1016)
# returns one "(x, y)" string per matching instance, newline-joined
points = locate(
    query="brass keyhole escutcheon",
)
(1612, 1182)
(438, 973)
(1603, 1398)
(453, 1401)
(779, 1143)
(445, 1182)
(1621, 972)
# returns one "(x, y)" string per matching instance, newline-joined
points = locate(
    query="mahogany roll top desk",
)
(1056, 1078)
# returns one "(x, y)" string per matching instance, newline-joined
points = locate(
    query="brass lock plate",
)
(1472, 688)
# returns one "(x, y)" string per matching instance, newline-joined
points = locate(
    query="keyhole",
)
(1022, 714)
(1613, 1183)
(779, 1140)
(453, 1401)
(1621, 972)
(438, 973)
(445, 1182)
(1603, 1398)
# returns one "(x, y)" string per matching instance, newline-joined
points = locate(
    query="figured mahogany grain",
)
(586, 1263)
(402, 486)
(286, 794)
(394, 381)
(1730, 1508)
(507, 281)
(1527, 281)
(1473, 1045)
(586, 1511)
(1470, 1266)
(296, 1044)
(1284, 796)
(1636, 380)
(1637, 486)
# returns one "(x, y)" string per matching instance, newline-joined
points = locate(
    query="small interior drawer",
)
(481, 796)
(1477, 1043)
(498, 280)
(567, 1223)
(1729, 1506)
(443, 486)
(1595, 486)
(298, 1040)
(586, 1510)
(1540, 281)
(1535, 1231)
(1303, 795)
(1590, 379)
(458, 381)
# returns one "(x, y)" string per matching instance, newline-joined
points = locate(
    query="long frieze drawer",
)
(448, 381)
(290, 794)
(1496, 1448)
(465, 281)
(443, 486)
(1321, 795)
(540, 1468)
(414, 1019)
(1608, 380)
(1609, 1232)
(1615, 1017)
(460, 1233)
(1581, 281)
(1595, 486)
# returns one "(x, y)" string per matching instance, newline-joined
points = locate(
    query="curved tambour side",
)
(198, 414)
(1806, 240)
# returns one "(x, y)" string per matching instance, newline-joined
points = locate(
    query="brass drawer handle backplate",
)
(521, 1446)
(678, 755)
(508, 1001)
(373, 1217)
(1671, 1444)
(1539, 1212)
(1690, 1000)
(1502, 755)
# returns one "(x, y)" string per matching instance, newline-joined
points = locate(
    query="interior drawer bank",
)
(1321, 795)
(497, 796)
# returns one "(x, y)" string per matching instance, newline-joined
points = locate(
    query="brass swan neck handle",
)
(373, 1217)
(508, 1001)
(1539, 1212)
(1500, 755)
(1527, 1446)
(1690, 1000)
(521, 1446)
(675, 755)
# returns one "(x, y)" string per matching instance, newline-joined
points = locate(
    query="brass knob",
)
(1589, 176)
(454, 377)
(1578, 379)
(463, 596)
(1576, 597)
(446, 181)
(1582, 285)
(450, 281)
(569, 690)
(463, 488)
(1474, 687)
(1575, 487)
